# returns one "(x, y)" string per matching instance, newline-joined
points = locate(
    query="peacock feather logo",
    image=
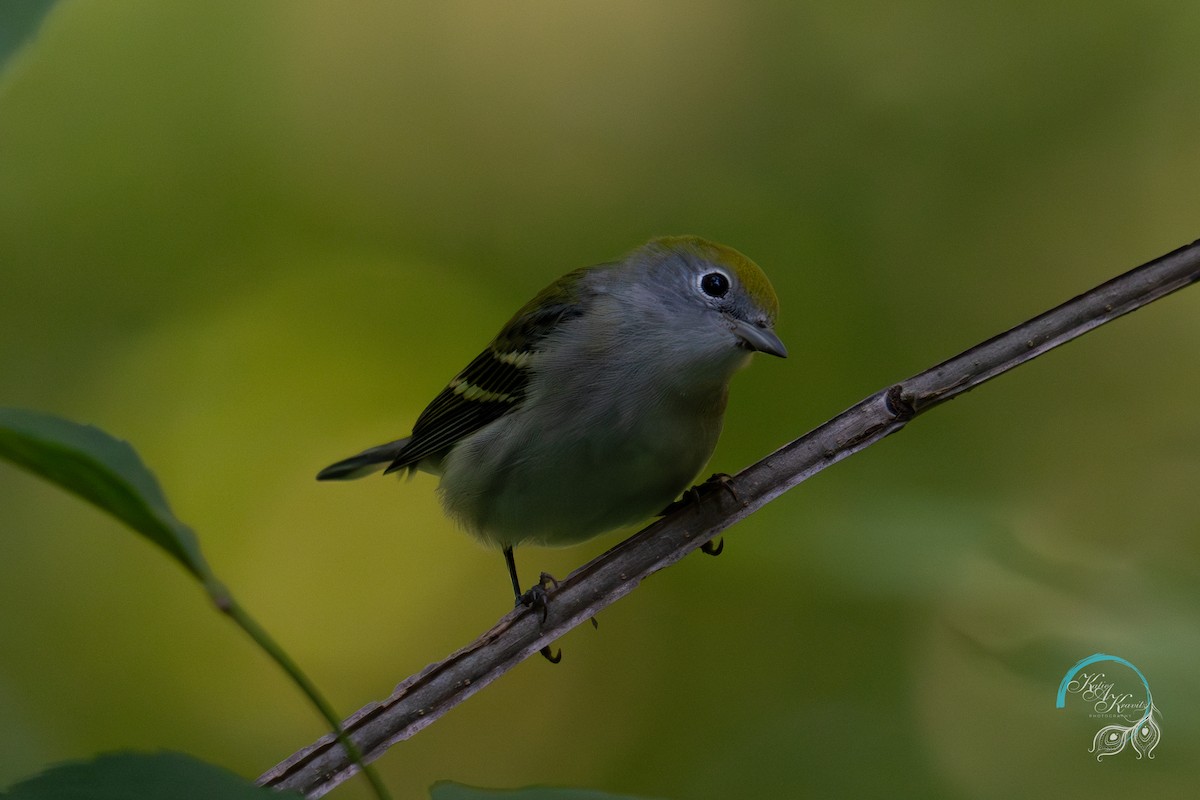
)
(1141, 731)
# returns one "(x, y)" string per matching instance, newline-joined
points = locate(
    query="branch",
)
(426, 696)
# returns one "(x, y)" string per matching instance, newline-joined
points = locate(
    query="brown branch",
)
(424, 697)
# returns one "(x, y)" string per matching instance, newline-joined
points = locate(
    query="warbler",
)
(597, 404)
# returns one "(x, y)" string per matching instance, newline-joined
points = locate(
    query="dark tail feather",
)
(364, 463)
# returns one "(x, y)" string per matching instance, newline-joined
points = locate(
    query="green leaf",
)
(141, 776)
(19, 21)
(448, 790)
(102, 470)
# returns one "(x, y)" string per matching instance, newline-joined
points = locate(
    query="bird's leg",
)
(697, 493)
(536, 597)
(512, 572)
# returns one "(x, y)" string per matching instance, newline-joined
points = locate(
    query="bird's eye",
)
(715, 284)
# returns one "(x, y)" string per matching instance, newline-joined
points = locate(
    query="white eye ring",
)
(715, 283)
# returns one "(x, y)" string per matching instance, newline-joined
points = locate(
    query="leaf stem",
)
(226, 603)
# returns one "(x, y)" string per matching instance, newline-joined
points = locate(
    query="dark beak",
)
(763, 340)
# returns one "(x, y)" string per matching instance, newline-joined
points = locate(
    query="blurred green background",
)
(252, 238)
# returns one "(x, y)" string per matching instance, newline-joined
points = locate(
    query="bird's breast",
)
(568, 474)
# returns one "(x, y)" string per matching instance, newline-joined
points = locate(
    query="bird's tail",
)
(366, 462)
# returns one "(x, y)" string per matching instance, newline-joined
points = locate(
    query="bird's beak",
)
(753, 337)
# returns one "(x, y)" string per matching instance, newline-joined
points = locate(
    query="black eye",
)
(715, 284)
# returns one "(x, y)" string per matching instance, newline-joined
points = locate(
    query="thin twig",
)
(424, 697)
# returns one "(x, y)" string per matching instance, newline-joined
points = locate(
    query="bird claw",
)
(538, 598)
(695, 494)
(720, 480)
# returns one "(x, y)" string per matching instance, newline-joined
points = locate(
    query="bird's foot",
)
(716, 482)
(719, 481)
(537, 598)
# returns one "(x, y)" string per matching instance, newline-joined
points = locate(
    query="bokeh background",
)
(252, 238)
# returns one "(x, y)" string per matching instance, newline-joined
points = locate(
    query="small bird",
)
(597, 404)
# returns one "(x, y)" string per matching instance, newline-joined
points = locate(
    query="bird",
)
(596, 405)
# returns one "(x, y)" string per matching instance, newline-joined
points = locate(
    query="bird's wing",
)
(495, 382)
